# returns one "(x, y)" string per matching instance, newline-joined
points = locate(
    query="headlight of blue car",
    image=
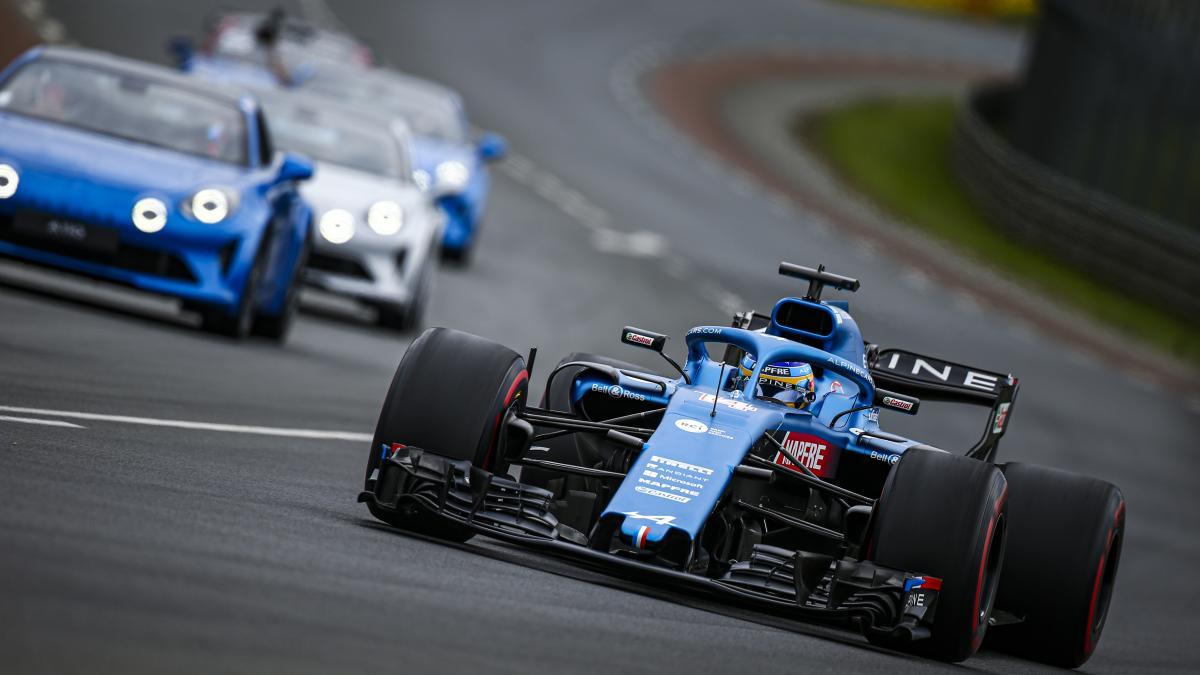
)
(149, 215)
(452, 176)
(210, 205)
(9, 179)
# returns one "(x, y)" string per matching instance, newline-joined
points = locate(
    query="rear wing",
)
(939, 380)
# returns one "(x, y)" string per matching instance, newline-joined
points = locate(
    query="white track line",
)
(199, 426)
(48, 423)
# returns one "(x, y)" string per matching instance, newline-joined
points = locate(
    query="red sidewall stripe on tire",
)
(521, 377)
(976, 636)
(1091, 616)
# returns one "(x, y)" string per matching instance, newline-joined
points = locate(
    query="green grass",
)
(897, 153)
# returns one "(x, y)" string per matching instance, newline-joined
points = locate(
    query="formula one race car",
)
(761, 476)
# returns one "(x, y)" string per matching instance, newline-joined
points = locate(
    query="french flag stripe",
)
(641, 536)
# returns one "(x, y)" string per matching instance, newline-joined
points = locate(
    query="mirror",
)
(655, 342)
(295, 167)
(182, 49)
(492, 147)
(643, 338)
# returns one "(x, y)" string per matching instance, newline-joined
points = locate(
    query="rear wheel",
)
(1064, 546)
(448, 397)
(944, 515)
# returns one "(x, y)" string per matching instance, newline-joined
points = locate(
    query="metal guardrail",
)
(1111, 97)
(1153, 258)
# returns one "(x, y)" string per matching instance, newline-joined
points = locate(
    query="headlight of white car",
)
(337, 226)
(452, 175)
(210, 205)
(149, 215)
(385, 217)
(9, 179)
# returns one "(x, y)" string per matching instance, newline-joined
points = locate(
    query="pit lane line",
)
(282, 432)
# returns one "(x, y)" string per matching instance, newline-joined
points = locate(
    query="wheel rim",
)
(989, 580)
(1106, 577)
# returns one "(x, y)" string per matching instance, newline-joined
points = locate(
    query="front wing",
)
(413, 486)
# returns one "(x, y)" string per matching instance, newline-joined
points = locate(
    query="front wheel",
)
(237, 324)
(448, 397)
(410, 316)
(1064, 545)
(277, 327)
(944, 515)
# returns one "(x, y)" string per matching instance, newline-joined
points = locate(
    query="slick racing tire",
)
(1064, 544)
(277, 327)
(448, 397)
(568, 449)
(944, 515)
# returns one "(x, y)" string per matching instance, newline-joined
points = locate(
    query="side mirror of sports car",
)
(295, 167)
(492, 147)
(181, 48)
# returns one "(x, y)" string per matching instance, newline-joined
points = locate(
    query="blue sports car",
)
(450, 164)
(758, 472)
(135, 174)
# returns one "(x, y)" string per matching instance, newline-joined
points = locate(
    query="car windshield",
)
(326, 137)
(127, 106)
(425, 115)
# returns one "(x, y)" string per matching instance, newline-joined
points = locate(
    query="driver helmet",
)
(776, 378)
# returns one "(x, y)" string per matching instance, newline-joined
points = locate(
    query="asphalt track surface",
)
(128, 547)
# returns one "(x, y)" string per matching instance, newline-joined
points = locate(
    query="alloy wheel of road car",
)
(277, 327)
(428, 407)
(237, 325)
(407, 317)
(944, 514)
(1064, 545)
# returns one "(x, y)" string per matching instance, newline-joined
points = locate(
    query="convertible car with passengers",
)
(138, 175)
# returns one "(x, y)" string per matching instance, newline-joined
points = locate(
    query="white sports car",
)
(378, 234)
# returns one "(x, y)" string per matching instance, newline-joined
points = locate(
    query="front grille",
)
(338, 265)
(125, 256)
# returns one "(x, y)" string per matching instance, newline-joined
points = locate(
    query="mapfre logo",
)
(813, 452)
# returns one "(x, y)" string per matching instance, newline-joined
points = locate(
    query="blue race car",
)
(135, 174)
(758, 472)
(451, 165)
